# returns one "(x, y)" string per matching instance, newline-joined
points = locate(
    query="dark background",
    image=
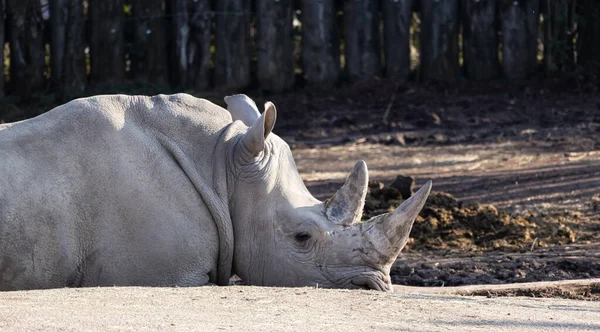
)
(295, 51)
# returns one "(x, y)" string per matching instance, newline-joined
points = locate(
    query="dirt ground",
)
(516, 171)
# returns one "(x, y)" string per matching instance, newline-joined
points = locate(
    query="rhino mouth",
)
(366, 278)
(374, 280)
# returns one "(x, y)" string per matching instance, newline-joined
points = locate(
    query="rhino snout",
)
(375, 280)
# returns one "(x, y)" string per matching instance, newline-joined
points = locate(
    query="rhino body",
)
(177, 191)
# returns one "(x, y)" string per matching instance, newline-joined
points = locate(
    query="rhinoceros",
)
(172, 190)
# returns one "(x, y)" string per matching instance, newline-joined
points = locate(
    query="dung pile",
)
(445, 223)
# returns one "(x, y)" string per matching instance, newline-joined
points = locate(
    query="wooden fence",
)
(67, 46)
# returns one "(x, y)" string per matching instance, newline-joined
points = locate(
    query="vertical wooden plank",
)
(397, 17)
(149, 56)
(232, 34)
(2, 38)
(74, 67)
(67, 57)
(27, 47)
(320, 42)
(106, 45)
(199, 57)
(519, 37)
(588, 43)
(439, 40)
(179, 33)
(190, 31)
(190, 35)
(480, 39)
(361, 39)
(274, 45)
(558, 38)
(58, 22)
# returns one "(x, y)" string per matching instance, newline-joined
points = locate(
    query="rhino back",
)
(89, 196)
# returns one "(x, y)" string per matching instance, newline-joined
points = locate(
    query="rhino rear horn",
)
(254, 139)
(242, 108)
(346, 206)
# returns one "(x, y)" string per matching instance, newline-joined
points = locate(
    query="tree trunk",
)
(232, 59)
(519, 37)
(480, 40)
(397, 16)
(27, 50)
(588, 44)
(439, 40)
(149, 56)
(361, 39)
(320, 42)
(274, 45)
(106, 45)
(67, 49)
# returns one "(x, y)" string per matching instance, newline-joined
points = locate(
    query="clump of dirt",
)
(380, 199)
(496, 267)
(572, 292)
(445, 223)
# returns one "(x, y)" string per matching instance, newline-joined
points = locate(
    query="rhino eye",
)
(302, 237)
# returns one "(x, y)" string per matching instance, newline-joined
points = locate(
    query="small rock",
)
(399, 139)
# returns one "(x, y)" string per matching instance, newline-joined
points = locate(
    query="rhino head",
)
(286, 237)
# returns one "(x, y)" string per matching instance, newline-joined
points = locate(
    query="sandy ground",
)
(244, 308)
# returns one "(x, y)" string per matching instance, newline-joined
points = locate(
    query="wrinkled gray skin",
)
(168, 190)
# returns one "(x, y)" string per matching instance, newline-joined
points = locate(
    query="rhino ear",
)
(242, 108)
(254, 139)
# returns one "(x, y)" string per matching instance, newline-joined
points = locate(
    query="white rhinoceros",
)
(168, 190)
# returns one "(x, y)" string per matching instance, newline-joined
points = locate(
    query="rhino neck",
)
(268, 201)
(201, 151)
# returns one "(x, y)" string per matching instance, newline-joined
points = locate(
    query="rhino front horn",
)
(390, 231)
(346, 206)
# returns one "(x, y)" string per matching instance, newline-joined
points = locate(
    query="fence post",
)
(106, 44)
(519, 37)
(232, 58)
(148, 55)
(274, 45)
(397, 17)
(67, 57)
(439, 39)
(320, 42)
(27, 47)
(480, 39)
(361, 38)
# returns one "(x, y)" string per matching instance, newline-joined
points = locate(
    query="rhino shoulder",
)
(192, 106)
